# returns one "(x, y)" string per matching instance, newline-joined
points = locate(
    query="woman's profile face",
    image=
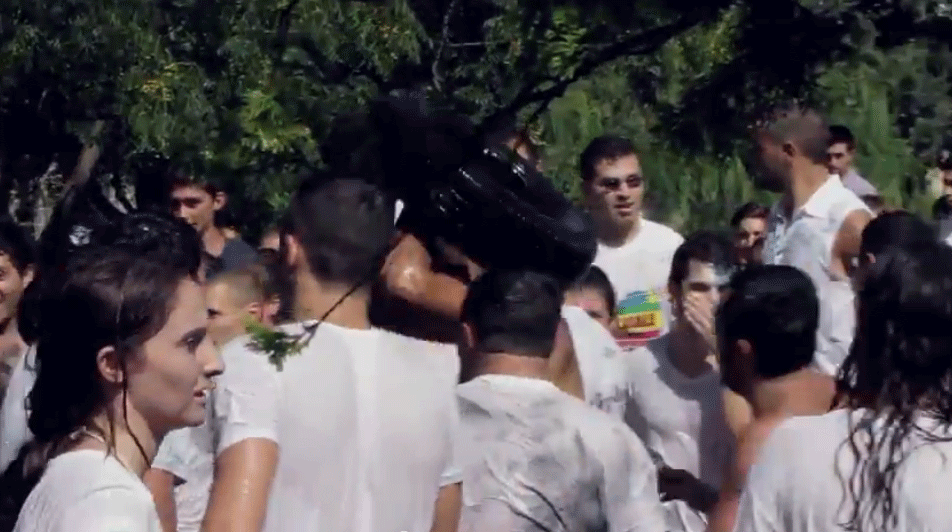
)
(170, 377)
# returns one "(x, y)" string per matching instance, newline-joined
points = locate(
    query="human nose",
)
(209, 359)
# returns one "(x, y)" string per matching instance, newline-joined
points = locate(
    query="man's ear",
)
(110, 368)
(468, 337)
(28, 274)
(219, 200)
(293, 253)
(789, 149)
(870, 258)
(256, 311)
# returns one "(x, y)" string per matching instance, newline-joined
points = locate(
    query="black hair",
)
(775, 308)
(840, 134)
(749, 210)
(701, 246)
(112, 295)
(604, 148)
(793, 122)
(516, 312)
(344, 225)
(898, 369)
(899, 228)
(942, 208)
(16, 244)
(595, 279)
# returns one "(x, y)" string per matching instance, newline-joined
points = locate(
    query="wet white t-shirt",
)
(600, 362)
(797, 483)
(14, 432)
(189, 455)
(366, 422)
(681, 420)
(639, 273)
(535, 458)
(88, 491)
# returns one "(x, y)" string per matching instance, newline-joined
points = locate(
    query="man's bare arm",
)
(239, 494)
(161, 482)
(722, 516)
(447, 510)
(408, 274)
(848, 239)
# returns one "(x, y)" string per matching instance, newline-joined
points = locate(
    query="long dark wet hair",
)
(898, 373)
(120, 295)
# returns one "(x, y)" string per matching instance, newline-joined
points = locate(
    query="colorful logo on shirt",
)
(640, 317)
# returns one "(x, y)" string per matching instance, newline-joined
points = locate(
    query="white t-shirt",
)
(536, 458)
(805, 241)
(797, 483)
(189, 455)
(600, 361)
(639, 272)
(366, 422)
(14, 432)
(681, 421)
(88, 491)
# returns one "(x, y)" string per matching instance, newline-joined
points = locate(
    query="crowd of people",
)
(793, 376)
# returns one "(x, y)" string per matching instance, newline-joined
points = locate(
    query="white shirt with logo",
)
(639, 272)
(681, 420)
(797, 483)
(366, 422)
(805, 241)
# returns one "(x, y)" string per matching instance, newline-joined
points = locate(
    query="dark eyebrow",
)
(196, 335)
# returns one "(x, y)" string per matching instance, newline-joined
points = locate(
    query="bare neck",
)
(805, 182)
(135, 443)
(803, 392)
(513, 365)
(213, 241)
(314, 299)
(614, 235)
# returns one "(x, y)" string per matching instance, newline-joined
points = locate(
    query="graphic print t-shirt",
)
(639, 272)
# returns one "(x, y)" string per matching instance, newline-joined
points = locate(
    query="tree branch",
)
(642, 43)
(437, 78)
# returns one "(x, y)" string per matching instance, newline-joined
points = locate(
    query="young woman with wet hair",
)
(127, 362)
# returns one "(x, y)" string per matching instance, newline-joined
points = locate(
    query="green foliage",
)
(277, 345)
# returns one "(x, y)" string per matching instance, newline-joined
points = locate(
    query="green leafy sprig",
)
(277, 345)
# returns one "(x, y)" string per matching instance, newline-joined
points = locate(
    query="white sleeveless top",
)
(806, 242)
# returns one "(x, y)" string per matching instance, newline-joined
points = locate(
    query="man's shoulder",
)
(662, 235)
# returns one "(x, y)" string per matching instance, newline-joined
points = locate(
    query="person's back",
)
(534, 457)
(881, 461)
(357, 410)
(358, 424)
(570, 467)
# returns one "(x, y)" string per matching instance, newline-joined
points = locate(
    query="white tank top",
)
(806, 242)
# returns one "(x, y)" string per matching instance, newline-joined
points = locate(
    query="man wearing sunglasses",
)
(635, 253)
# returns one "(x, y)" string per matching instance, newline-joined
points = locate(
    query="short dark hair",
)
(179, 178)
(515, 312)
(842, 135)
(345, 226)
(776, 309)
(898, 229)
(702, 246)
(792, 121)
(595, 279)
(942, 208)
(604, 148)
(16, 244)
(749, 210)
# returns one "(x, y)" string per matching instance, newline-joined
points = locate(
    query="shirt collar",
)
(510, 382)
(818, 203)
